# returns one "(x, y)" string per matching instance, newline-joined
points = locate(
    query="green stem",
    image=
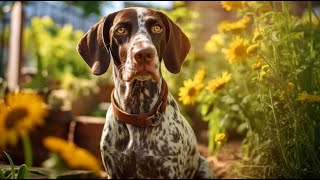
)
(312, 54)
(311, 28)
(27, 150)
(271, 67)
(278, 135)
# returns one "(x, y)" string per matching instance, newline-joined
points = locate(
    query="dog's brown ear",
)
(177, 45)
(93, 46)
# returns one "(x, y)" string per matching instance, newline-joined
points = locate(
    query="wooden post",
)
(15, 46)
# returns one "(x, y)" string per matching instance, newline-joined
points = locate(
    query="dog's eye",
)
(121, 30)
(156, 29)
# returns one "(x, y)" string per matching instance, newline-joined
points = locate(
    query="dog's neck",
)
(135, 97)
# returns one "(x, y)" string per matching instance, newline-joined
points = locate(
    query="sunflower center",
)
(14, 116)
(220, 86)
(239, 51)
(192, 91)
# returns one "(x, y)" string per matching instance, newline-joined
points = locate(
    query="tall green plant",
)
(53, 49)
(287, 145)
(273, 92)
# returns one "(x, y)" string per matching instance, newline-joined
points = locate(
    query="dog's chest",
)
(135, 151)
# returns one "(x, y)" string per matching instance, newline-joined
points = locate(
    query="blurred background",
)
(38, 41)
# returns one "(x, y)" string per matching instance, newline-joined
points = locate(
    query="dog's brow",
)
(152, 19)
(124, 19)
(122, 23)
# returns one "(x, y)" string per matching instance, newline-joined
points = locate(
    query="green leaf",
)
(38, 172)
(8, 177)
(205, 109)
(22, 173)
(11, 164)
(2, 174)
(242, 127)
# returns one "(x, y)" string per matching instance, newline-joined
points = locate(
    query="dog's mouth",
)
(141, 73)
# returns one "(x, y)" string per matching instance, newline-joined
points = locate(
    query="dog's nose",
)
(144, 55)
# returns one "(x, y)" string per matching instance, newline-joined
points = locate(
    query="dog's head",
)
(137, 39)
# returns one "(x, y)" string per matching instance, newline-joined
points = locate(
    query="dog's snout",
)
(144, 55)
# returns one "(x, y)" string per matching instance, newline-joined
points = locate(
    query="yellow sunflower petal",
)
(219, 82)
(74, 156)
(200, 75)
(231, 5)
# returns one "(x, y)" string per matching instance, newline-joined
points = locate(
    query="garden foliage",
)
(261, 79)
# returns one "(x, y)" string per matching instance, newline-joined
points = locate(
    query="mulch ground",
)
(223, 164)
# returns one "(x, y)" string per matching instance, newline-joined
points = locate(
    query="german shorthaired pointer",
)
(144, 136)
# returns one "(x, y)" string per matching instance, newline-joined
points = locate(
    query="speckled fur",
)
(168, 150)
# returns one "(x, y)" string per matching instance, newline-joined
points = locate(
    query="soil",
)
(223, 164)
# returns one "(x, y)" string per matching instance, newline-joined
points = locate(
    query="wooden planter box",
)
(87, 132)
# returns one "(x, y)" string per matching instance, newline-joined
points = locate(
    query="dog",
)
(145, 135)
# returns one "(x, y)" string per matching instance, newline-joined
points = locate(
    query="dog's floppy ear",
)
(177, 45)
(93, 46)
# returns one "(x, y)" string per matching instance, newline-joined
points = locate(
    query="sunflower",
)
(190, 91)
(21, 113)
(237, 50)
(230, 5)
(75, 157)
(219, 82)
(236, 26)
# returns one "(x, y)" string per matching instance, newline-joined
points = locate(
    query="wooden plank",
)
(15, 46)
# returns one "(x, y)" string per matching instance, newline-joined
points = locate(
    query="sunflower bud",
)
(252, 49)
(265, 67)
(262, 76)
(256, 65)
(257, 38)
